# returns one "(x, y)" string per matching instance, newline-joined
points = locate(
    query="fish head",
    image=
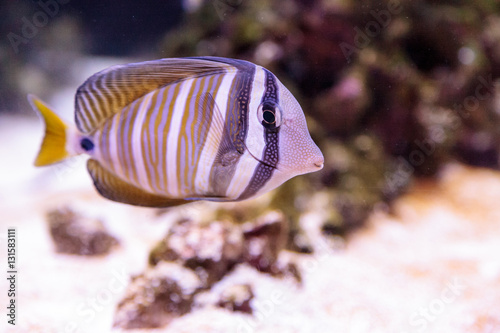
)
(298, 153)
(278, 136)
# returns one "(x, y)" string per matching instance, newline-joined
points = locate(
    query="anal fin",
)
(114, 188)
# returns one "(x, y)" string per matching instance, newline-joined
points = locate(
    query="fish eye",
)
(269, 114)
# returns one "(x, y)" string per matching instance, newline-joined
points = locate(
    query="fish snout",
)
(318, 162)
(319, 165)
(312, 163)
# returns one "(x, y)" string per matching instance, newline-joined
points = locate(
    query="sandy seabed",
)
(431, 263)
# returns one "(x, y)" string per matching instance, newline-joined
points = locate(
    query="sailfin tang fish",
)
(166, 132)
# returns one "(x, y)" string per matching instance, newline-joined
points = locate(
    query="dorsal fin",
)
(107, 92)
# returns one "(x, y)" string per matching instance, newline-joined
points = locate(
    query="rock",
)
(237, 298)
(200, 255)
(191, 258)
(286, 267)
(264, 239)
(213, 249)
(157, 296)
(209, 250)
(73, 233)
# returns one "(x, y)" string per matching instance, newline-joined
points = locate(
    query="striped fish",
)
(166, 132)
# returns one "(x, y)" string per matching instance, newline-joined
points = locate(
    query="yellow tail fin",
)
(53, 147)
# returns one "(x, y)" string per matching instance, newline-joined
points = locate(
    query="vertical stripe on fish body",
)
(164, 132)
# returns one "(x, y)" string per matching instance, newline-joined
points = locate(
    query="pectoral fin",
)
(219, 140)
(224, 155)
(114, 188)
